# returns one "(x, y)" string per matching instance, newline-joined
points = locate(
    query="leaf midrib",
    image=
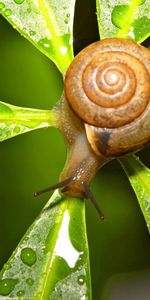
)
(47, 18)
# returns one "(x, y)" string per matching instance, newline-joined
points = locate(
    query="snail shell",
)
(108, 87)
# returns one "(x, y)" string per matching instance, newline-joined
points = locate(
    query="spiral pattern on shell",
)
(107, 85)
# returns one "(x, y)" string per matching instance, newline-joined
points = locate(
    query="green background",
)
(119, 246)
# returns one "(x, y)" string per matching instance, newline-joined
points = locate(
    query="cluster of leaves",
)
(40, 267)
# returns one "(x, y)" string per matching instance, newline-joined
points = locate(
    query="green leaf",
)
(124, 19)
(139, 177)
(52, 260)
(17, 120)
(48, 24)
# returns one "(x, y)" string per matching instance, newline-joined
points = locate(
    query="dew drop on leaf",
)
(16, 129)
(119, 15)
(20, 293)
(18, 1)
(81, 279)
(6, 286)
(45, 43)
(29, 10)
(67, 18)
(28, 256)
(7, 266)
(30, 281)
(32, 32)
(7, 12)
(2, 5)
(146, 10)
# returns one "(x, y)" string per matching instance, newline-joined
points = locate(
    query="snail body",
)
(104, 112)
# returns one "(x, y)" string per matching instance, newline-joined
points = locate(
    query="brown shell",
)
(108, 87)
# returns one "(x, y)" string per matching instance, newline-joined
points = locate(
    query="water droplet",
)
(28, 256)
(20, 293)
(16, 129)
(30, 281)
(7, 266)
(66, 21)
(29, 10)
(146, 10)
(7, 12)
(32, 32)
(67, 18)
(2, 5)
(81, 279)
(18, 1)
(45, 43)
(43, 248)
(6, 286)
(119, 15)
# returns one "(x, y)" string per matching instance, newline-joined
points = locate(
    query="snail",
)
(104, 112)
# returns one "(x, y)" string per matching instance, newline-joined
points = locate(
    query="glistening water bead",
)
(2, 5)
(7, 266)
(20, 293)
(28, 256)
(18, 1)
(7, 12)
(7, 286)
(30, 281)
(119, 15)
(81, 279)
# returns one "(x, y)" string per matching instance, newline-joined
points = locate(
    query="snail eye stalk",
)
(58, 185)
(90, 195)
